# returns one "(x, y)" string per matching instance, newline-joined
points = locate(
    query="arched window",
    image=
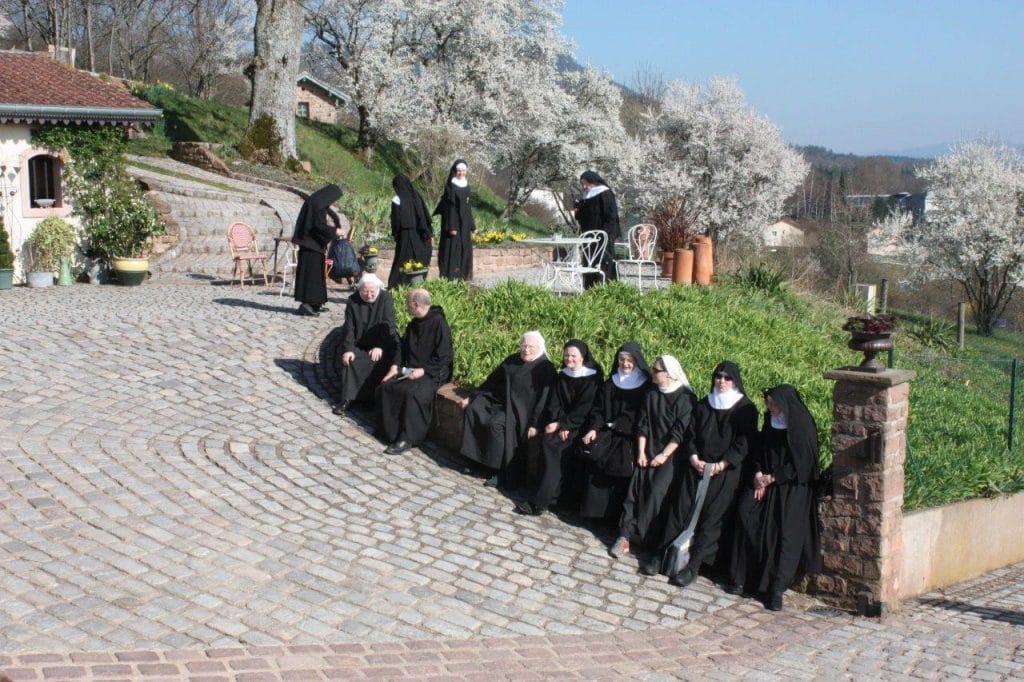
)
(44, 181)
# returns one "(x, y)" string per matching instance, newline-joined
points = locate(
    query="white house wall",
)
(20, 219)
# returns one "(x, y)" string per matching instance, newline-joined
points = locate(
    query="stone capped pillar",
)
(862, 534)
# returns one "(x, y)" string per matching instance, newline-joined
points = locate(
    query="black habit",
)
(405, 406)
(410, 227)
(664, 419)
(572, 400)
(312, 235)
(367, 326)
(610, 459)
(714, 436)
(600, 212)
(455, 252)
(779, 532)
(511, 401)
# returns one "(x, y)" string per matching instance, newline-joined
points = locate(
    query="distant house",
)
(35, 90)
(316, 100)
(788, 233)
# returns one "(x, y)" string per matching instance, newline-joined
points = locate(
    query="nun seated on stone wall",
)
(507, 411)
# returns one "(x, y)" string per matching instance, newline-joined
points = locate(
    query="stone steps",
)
(203, 210)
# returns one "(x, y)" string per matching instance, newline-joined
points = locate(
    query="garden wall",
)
(485, 261)
(945, 545)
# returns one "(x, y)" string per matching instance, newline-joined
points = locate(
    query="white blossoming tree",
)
(973, 231)
(722, 167)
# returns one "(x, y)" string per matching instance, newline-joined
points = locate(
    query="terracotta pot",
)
(703, 260)
(871, 344)
(682, 270)
(667, 260)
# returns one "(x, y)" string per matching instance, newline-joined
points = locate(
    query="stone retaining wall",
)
(485, 260)
(201, 155)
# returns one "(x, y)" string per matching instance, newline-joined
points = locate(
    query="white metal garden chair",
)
(584, 260)
(641, 240)
(290, 260)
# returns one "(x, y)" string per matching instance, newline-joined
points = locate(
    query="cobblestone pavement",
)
(177, 500)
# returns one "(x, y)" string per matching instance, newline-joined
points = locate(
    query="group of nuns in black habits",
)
(632, 450)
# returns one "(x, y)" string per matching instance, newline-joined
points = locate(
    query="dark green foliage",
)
(933, 332)
(6, 255)
(762, 277)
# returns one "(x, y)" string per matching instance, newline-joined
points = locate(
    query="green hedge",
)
(958, 448)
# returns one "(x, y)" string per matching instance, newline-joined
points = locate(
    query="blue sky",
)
(861, 77)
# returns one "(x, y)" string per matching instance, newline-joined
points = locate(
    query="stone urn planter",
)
(131, 272)
(414, 276)
(870, 335)
(39, 279)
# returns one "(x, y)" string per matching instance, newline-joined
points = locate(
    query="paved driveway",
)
(175, 493)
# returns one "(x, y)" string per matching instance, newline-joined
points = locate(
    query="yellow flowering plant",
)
(413, 265)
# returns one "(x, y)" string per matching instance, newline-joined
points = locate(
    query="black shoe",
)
(397, 448)
(528, 509)
(650, 565)
(774, 602)
(307, 310)
(341, 408)
(733, 588)
(491, 482)
(322, 309)
(683, 578)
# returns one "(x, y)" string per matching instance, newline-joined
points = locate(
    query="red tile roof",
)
(33, 79)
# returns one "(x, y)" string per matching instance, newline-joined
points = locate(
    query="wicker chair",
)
(244, 250)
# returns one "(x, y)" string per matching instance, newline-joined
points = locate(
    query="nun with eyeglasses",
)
(723, 432)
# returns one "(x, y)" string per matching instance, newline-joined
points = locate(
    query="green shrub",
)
(117, 218)
(53, 239)
(6, 255)
(933, 332)
(761, 277)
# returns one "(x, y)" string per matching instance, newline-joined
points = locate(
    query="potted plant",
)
(413, 271)
(52, 241)
(120, 224)
(368, 254)
(674, 232)
(870, 334)
(6, 258)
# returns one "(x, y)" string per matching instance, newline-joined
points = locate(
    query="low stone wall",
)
(948, 544)
(201, 155)
(491, 260)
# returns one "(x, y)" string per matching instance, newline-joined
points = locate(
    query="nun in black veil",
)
(721, 435)
(611, 438)
(410, 227)
(598, 210)
(777, 527)
(455, 252)
(576, 385)
(312, 235)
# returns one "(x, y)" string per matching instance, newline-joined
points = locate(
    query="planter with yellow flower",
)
(413, 272)
(368, 255)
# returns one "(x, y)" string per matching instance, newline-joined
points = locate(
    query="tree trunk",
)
(89, 43)
(275, 67)
(365, 138)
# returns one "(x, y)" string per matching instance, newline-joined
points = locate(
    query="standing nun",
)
(777, 518)
(507, 410)
(312, 235)
(723, 432)
(610, 441)
(598, 210)
(572, 399)
(662, 427)
(455, 252)
(410, 227)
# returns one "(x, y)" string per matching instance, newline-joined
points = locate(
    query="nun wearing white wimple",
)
(455, 250)
(723, 432)
(663, 423)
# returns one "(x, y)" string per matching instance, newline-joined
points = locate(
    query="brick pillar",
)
(862, 534)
